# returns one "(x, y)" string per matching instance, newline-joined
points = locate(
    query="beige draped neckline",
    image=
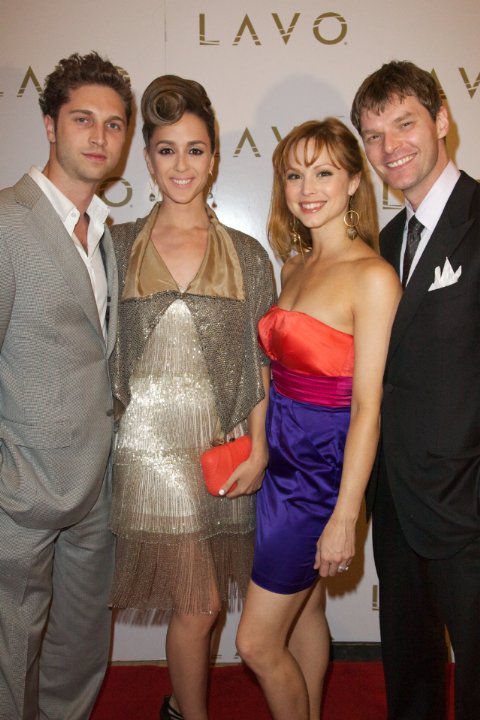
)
(219, 274)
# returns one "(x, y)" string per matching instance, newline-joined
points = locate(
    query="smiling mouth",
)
(311, 206)
(400, 162)
(180, 182)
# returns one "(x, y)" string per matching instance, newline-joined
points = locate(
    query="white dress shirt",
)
(429, 211)
(97, 212)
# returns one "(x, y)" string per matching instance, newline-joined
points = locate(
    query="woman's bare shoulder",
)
(376, 279)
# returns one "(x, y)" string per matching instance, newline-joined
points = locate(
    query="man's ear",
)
(49, 123)
(442, 122)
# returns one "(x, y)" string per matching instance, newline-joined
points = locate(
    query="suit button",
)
(110, 412)
(388, 387)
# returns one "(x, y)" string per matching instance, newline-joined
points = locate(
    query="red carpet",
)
(354, 691)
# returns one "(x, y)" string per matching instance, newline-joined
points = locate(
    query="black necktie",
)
(414, 234)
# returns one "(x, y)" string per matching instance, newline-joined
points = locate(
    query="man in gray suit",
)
(58, 308)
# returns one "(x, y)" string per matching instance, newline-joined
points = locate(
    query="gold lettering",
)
(30, 76)
(386, 204)
(472, 89)
(341, 34)
(203, 36)
(278, 137)
(246, 137)
(246, 23)
(441, 91)
(285, 35)
(103, 187)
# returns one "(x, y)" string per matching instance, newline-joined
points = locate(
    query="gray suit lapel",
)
(47, 226)
(112, 281)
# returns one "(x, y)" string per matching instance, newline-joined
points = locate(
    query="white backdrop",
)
(266, 66)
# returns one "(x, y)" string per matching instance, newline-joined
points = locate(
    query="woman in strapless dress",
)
(327, 340)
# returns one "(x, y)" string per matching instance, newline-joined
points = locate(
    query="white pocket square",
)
(445, 277)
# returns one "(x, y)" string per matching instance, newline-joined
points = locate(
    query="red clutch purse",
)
(219, 462)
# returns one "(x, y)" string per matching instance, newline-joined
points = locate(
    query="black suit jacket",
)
(430, 445)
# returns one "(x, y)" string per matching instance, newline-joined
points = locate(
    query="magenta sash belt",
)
(332, 392)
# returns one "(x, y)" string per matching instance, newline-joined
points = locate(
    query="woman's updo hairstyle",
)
(168, 97)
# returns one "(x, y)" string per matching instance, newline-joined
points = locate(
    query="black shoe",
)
(167, 712)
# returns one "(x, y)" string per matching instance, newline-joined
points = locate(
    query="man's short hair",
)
(78, 70)
(401, 79)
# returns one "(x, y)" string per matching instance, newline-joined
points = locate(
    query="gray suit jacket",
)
(55, 400)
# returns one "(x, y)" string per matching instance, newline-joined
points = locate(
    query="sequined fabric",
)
(227, 327)
(176, 543)
(186, 365)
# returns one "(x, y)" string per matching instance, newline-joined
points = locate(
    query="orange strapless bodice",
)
(304, 344)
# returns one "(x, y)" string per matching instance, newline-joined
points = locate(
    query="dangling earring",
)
(295, 235)
(211, 199)
(154, 191)
(297, 241)
(351, 220)
(210, 196)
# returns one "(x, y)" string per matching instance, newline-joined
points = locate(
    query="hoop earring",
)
(351, 220)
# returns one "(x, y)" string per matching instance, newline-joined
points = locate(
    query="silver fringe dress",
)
(178, 547)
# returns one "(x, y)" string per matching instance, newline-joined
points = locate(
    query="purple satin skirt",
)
(306, 444)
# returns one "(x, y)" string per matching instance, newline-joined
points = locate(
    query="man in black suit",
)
(425, 493)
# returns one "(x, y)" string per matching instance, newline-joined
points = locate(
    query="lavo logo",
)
(329, 33)
(120, 183)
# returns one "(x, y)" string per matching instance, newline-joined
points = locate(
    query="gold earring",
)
(351, 220)
(297, 241)
(295, 235)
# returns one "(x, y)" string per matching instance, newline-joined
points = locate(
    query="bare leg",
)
(188, 651)
(262, 644)
(309, 643)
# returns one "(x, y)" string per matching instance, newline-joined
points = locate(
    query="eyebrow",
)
(404, 116)
(399, 119)
(172, 142)
(84, 111)
(315, 165)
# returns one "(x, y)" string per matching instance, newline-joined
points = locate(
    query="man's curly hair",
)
(78, 70)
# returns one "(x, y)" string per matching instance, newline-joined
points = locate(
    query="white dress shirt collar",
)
(433, 204)
(97, 210)
(429, 211)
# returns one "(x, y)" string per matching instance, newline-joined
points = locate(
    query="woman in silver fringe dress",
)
(187, 372)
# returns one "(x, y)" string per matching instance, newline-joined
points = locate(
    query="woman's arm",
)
(376, 296)
(249, 474)
(262, 295)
